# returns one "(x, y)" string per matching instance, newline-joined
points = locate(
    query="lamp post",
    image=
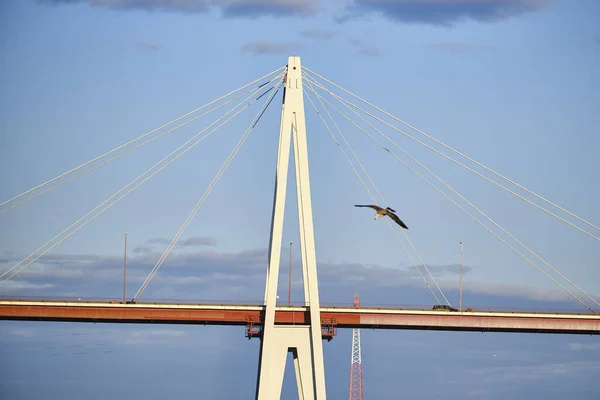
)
(125, 268)
(460, 273)
(290, 278)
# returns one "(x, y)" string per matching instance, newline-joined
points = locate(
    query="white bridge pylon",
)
(303, 341)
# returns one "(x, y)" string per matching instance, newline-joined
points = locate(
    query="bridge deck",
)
(341, 317)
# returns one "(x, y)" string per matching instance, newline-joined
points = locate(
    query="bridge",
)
(331, 317)
(300, 329)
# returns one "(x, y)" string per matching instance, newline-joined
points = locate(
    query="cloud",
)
(192, 241)
(540, 362)
(142, 249)
(228, 8)
(584, 346)
(189, 242)
(443, 12)
(16, 285)
(513, 290)
(459, 47)
(181, 275)
(516, 374)
(145, 46)
(439, 270)
(198, 241)
(267, 47)
(361, 46)
(210, 276)
(437, 12)
(364, 48)
(19, 332)
(318, 34)
(154, 337)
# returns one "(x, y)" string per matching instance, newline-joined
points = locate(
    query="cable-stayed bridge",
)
(299, 329)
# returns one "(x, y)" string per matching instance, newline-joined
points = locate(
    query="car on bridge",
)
(443, 307)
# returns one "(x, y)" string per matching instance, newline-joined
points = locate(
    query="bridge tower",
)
(303, 341)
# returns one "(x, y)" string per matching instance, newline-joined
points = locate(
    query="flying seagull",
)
(381, 212)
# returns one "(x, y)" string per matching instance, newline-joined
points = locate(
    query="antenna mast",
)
(356, 360)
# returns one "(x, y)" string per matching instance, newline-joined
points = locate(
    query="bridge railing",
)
(246, 302)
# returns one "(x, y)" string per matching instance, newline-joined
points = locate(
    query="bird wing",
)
(377, 208)
(398, 221)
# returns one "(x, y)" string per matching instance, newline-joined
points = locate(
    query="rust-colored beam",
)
(206, 314)
(127, 314)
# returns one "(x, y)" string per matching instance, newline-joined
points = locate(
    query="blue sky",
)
(513, 83)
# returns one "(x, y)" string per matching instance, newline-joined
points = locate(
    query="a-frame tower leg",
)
(304, 341)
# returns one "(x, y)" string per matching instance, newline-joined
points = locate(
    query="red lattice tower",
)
(356, 366)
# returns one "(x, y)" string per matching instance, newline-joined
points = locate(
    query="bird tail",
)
(390, 209)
